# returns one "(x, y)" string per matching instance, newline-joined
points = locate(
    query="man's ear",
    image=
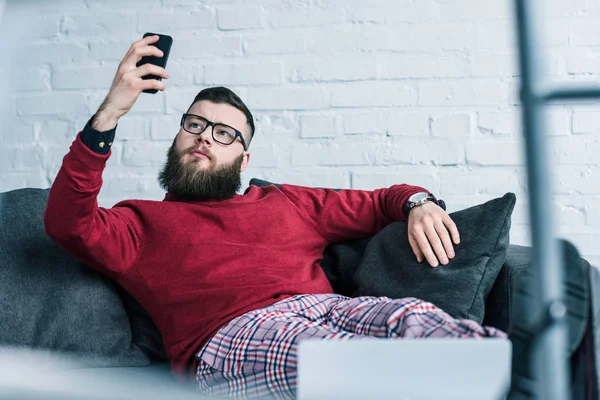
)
(245, 161)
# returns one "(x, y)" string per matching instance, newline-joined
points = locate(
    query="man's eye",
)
(223, 133)
(195, 126)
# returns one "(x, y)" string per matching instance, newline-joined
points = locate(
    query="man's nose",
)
(205, 136)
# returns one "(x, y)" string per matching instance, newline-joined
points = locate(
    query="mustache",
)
(195, 148)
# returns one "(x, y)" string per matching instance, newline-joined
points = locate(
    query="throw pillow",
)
(390, 268)
(49, 300)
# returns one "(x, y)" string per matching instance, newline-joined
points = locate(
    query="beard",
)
(188, 182)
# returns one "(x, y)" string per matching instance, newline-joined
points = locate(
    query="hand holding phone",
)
(164, 44)
(132, 78)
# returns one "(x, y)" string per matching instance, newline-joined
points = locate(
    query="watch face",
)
(418, 197)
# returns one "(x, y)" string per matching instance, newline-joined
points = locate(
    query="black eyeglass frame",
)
(212, 126)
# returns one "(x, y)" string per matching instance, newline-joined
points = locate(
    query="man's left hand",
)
(429, 231)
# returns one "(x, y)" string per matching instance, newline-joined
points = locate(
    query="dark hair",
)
(222, 95)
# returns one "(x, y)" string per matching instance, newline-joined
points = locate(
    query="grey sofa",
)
(57, 315)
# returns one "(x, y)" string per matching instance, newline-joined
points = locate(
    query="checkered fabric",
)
(254, 355)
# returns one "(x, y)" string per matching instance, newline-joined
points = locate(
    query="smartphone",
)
(164, 44)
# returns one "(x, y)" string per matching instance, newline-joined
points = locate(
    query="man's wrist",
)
(104, 120)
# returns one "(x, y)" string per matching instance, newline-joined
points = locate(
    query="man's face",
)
(198, 168)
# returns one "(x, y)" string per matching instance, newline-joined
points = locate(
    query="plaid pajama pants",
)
(254, 355)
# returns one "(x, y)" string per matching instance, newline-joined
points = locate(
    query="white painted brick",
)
(52, 104)
(243, 74)
(440, 35)
(20, 180)
(241, 17)
(265, 155)
(176, 21)
(165, 127)
(355, 153)
(412, 12)
(366, 13)
(506, 122)
(23, 157)
(104, 50)
(578, 179)
(592, 215)
(373, 181)
(404, 151)
(496, 35)
(282, 43)
(558, 121)
(320, 177)
(83, 77)
(423, 66)
(296, 17)
(479, 180)
(270, 126)
(290, 98)
(132, 129)
(459, 125)
(35, 78)
(123, 25)
(206, 46)
(184, 74)
(136, 154)
(472, 92)
(578, 149)
(178, 100)
(494, 63)
(49, 53)
(583, 61)
(29, 24)
(99, 6)
(56, 132)
(318, 126)
(336, 69)
(145, 103)
(378, 94)
(555, 32)
(473, 9)
(586, 121)
(14, 131)
(495, 153)
(363, 123)
(585, 32)
(400, 123)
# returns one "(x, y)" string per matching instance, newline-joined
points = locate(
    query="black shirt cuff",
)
(98, 142)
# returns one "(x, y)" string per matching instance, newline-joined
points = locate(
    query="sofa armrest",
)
(498, 306)
(503, 307)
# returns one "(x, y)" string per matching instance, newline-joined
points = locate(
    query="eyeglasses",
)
(221, 133)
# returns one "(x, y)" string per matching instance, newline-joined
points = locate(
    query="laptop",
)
(402, 369)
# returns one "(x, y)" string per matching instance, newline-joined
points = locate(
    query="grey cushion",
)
(389, 266)
(48, 299)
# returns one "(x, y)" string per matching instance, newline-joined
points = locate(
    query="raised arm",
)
(105, 239)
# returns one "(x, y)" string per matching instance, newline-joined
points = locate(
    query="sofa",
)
(83, 336)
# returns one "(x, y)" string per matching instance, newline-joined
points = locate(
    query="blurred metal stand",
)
(540, 341)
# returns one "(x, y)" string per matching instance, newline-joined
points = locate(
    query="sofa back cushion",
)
(49, 300)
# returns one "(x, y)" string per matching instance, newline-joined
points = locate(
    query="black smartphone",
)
(164, 44)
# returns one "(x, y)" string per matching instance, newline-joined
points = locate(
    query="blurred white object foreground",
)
(404, 369)
(31, 374)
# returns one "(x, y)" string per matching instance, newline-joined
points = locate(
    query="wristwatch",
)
(416, 200)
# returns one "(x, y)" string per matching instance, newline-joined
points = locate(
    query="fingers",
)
(415, 248)
(152, 84)
(140, 49)
(439, 253)
(444, 237)
(423, 244)
(150, 69)
(452, 228)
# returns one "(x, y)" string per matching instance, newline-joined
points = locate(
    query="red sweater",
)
(194, 266)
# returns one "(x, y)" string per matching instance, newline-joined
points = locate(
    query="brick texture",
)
(344, 94)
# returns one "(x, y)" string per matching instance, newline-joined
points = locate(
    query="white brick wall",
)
(345, 94)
